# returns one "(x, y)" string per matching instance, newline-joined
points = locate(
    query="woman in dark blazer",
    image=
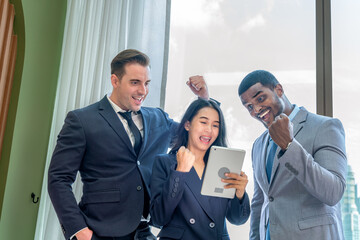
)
(176, 202)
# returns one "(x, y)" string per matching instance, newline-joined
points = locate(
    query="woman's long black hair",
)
(181, 138)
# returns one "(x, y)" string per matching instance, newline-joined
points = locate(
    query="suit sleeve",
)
(173, 126)
(167, 188)
(238, 211)
(256, 205)
(63, 169)
(322, 173)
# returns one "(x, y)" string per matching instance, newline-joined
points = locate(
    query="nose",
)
(257, 109)
(142, 89)
(207, 128)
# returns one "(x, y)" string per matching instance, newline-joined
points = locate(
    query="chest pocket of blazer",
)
(172, 232)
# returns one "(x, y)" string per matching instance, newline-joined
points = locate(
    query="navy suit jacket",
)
(94, 142)
(178, 206)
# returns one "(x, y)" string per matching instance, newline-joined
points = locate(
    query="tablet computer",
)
(221, 160)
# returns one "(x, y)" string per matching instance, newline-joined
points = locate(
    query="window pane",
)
(346, 88)
(225, 40)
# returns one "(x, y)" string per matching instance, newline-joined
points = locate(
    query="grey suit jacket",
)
(302, 200)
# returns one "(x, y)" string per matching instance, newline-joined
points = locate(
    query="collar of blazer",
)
(299, 120)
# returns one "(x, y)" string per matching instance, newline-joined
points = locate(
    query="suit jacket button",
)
(138, 163)
(192, 221)
(173, 194)
(138, 188)
(212, 225)
(177, 179)
(175, 190)
(271, 199)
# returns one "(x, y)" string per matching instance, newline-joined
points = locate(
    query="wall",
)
(40, 34)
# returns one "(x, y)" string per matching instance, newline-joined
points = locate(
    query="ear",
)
(187, 126)
(279, 90)
(114, 80)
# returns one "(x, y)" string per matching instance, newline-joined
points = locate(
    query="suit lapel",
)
(299, 120)
(108, 113)
(298, 123)
(145, 120)
(194, 184)
(265, 142)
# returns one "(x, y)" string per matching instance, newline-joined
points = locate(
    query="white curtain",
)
(95, 31)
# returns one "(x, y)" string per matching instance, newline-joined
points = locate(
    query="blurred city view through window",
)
(346, 88)
(225, 40)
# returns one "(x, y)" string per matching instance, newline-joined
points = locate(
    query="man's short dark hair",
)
(125, 57)
(257, 76)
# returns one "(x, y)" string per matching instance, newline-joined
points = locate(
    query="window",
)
(346, 88)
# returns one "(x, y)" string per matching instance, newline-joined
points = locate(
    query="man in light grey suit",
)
(299, 166)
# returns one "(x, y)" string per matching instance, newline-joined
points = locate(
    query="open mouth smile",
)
(138, 100)
(263, 114)
(205, 140)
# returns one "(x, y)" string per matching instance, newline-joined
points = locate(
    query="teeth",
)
(264, 113)
(205, 138)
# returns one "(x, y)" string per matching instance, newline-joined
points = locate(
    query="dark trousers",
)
(127, 237)
(142, 232)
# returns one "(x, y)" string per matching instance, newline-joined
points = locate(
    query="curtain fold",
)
(95, 31)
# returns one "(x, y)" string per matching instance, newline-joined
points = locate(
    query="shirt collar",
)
(294, 112)
(119, 109)
(114, 106)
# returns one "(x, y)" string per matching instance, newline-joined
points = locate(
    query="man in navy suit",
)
(112, 143)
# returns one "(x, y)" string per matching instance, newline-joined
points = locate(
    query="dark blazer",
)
(184, 213)
(302, 200)
(94, 142)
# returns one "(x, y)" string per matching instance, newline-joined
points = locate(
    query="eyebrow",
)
(203, 117)
(138, 80)
(257, 94)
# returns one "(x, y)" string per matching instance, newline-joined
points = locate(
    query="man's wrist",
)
(288, 145)
(282, 151)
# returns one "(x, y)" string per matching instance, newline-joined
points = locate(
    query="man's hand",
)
(185, 159)
(84, 234)
(281, 131)
(198, 85)
(236, 181)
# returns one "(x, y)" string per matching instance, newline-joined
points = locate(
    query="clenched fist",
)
(198, 85)
(185, 159)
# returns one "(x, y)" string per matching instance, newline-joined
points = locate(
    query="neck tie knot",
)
(126, 115)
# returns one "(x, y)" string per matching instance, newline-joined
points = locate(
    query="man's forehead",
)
(251, 92)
